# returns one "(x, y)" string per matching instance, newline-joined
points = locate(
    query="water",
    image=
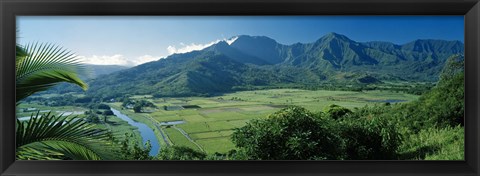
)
(63, 113)
(145, 131)
(67, 113)
(27, 118)
(172, 122)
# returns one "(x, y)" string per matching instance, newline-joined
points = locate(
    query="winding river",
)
(145, 131)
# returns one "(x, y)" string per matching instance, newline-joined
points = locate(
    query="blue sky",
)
(135, 40)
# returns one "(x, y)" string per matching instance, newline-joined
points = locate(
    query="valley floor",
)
(206, 123)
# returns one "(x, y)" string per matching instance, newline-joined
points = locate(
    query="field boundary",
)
(185, 134)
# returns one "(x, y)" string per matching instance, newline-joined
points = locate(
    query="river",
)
(145, 131)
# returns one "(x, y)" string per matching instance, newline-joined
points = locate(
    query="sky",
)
(133, 40)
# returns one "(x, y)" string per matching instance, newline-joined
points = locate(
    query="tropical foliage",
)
(130, 150)
(290, 134)
(430, 128)
(41, 66)
(57, 137)
(46, 136)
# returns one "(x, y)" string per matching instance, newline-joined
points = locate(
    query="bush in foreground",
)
(289, 134)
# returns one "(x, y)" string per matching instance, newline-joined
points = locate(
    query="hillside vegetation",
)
(429, 128)
(251, 62)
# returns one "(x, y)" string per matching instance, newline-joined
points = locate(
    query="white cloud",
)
(188, 48)
(231, 40)
(117, 59)
(145, 58)
(195, 47)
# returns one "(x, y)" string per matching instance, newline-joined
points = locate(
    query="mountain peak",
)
(262, 47)
(433, 45)
(249, 38)
(221, 43)
(259, 61)
(333, 35)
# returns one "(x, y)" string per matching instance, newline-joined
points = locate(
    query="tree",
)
(444, 104)
(131, 151)
(107, 112)
(446, 101)
(103, 106)
(369, 139)
(39, 67)
(137, 108)
(92, 118)
(336, 111)
(125, 102)
(290, 134)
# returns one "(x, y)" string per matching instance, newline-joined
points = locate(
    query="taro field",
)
(206, 123)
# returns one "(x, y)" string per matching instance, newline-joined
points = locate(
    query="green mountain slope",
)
(260, 61)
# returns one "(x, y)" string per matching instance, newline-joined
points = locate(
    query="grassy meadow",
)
(117, 126)
(209, 126)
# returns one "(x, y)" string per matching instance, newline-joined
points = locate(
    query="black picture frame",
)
(9, 9)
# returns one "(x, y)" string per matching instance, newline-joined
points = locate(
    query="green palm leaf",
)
(30, 153)
(57, 137)
(20, 53)
(41, 66)
(57, 149)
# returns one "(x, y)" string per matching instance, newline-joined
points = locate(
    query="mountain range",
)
(256, 61)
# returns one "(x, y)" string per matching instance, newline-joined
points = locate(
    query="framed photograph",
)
(239, 87)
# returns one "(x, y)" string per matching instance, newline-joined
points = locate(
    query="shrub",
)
(108, 112)
(369, 139)
(290, 134)
(130, 150)
(103, 106)
(336, 111)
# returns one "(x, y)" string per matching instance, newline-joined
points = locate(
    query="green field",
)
(117, 126)
(211, 125)
(27, 109)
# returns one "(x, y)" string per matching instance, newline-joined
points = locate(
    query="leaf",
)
(41, 66)
(60, 138)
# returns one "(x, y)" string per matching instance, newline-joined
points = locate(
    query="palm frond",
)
(44, 80)
(31, 153)
(44, 66)
(20, 55)
(20, 52)
(61, 138)
(57, 149)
